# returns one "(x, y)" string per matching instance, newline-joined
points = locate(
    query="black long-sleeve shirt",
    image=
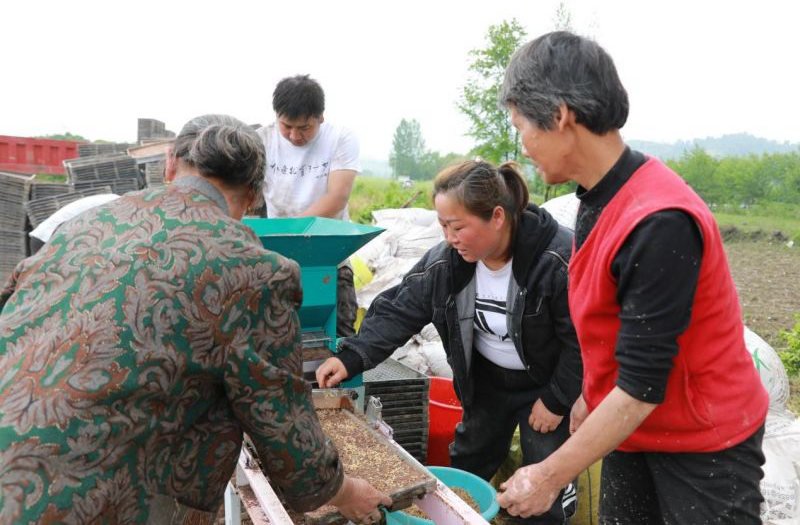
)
(656, 270)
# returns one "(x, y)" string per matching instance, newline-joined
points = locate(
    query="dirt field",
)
(767, 276)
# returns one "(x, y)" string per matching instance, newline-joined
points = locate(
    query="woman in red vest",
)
(671, 399)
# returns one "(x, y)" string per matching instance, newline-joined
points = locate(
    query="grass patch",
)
(375, 193)
(790, 227)
(378, 193)
(767, 217)
(46, 177)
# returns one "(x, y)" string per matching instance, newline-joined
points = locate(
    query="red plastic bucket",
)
(444, 413)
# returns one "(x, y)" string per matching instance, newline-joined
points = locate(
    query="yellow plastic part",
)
(362, 276)
(360, 313)
(588, 496)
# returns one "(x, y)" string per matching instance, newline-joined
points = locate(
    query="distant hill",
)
(737, 144)
(732, 145)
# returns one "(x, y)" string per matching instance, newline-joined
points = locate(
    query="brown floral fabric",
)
(135, 349)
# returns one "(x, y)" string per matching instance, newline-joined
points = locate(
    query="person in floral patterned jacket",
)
(141, 342)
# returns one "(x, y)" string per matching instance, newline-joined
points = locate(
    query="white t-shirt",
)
(297, 176)
(490, 336)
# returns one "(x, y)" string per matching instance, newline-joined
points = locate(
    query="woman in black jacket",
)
(496, 291)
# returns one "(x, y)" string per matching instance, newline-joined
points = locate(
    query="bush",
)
(378, 193)
(46, 177)
(791, 356)
(374, 193)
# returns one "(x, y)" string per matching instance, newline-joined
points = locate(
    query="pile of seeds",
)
(363, 456)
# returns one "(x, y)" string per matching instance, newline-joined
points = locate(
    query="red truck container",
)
(29, 155)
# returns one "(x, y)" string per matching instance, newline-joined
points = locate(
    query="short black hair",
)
(299, 96)
(564, 68)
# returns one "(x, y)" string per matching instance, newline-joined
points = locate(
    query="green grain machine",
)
(318, 245)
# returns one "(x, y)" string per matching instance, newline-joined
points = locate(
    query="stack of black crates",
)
(14, 195)
(118, 171)
(404, 395)
(41, 208)
(151, 129)
(91, 149)
(154, 173)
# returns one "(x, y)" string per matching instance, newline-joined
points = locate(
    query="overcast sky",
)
(692, 68)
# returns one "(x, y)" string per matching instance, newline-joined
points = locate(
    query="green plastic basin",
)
(480, 490)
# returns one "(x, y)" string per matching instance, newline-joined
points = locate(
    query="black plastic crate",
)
(102, 167)
(118, 186)
(40, 209)
(404, 396)
(40, 190)
(93, 150)
(392, 372)
(14, 194)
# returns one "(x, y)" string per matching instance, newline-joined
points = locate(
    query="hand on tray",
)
(359, 501)
(331, 373)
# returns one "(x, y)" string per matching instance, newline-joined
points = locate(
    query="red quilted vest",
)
(714, 397)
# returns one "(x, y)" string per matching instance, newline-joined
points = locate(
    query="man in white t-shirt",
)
(311, 166)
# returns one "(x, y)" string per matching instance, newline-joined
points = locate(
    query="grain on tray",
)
(363, 456)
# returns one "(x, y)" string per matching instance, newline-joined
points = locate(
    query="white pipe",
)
(446, 508)
(233, 507)
(267, 499)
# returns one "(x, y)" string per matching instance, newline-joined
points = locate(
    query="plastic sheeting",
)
(781, 483)
(770, 368)
(564, 209)
(410, 232)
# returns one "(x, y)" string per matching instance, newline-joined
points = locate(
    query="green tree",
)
(780, 173)
(699, 169)
(63, 136)
(496, 138)
(408, 149)
(433, 162)
(742, 181)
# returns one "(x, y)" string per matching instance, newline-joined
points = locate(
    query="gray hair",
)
(223, 147)
(563, 68)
